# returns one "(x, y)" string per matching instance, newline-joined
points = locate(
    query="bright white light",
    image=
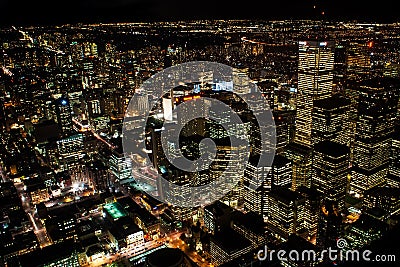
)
(75, 186)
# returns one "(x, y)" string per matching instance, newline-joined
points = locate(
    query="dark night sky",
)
(72, 11)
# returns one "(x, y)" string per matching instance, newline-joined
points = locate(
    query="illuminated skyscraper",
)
(253, 195)
(64, 115)
(286, 211)
(329, 120)
(394, 170)
(70, 151)
(185, 112)
(279, 175)
(285, 130)
(315, 81)
(312, 207)
(120, 166)
(301, 158)
(358, 58)
(376, 114)
(330, 171)
(281, 172)
(229, 156)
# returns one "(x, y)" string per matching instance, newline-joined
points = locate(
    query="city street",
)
(38, 227)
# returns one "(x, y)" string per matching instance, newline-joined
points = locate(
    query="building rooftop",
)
(165, 257)
(128, 204)
(218, 208)
(377, 213)
(115, 210)
(251, 221)
(47, 130)
(379, 83)
(280, 161)
(285, 195)
(146, 217)
(310, 193)
(123, 227)
(48, 254)
(8, 195)
(331, 149)
(368, 223)
(297, 243)
(385, 192)
(67, 211)
(297, 148)
(230, 241)
(34, 184)
(333, 102)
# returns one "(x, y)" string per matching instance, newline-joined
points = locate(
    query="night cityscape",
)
(106, 130)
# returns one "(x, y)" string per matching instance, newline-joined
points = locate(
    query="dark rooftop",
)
(387, 192)
(285, 195)
(369, 224)
(165, 257)
(331, 148)
(128, 204)
(230, 241)
(251, 221)
(333, 102)
(380, 83)
(48, 254)
(46, 131)
(295, 242)
(34, 184)
(219, 208)
(377, 213)
(310, 193)
(146, 217)
(298, 148)
(280, 161)
(124, 227)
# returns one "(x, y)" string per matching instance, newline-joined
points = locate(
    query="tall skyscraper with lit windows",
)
(315, 81)
(376, 115)
(358, 58)
(394, 169)
(64, 115)
(330, 119)
(331, 171)
(253, 195)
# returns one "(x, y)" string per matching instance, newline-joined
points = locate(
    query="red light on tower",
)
(370, 44)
